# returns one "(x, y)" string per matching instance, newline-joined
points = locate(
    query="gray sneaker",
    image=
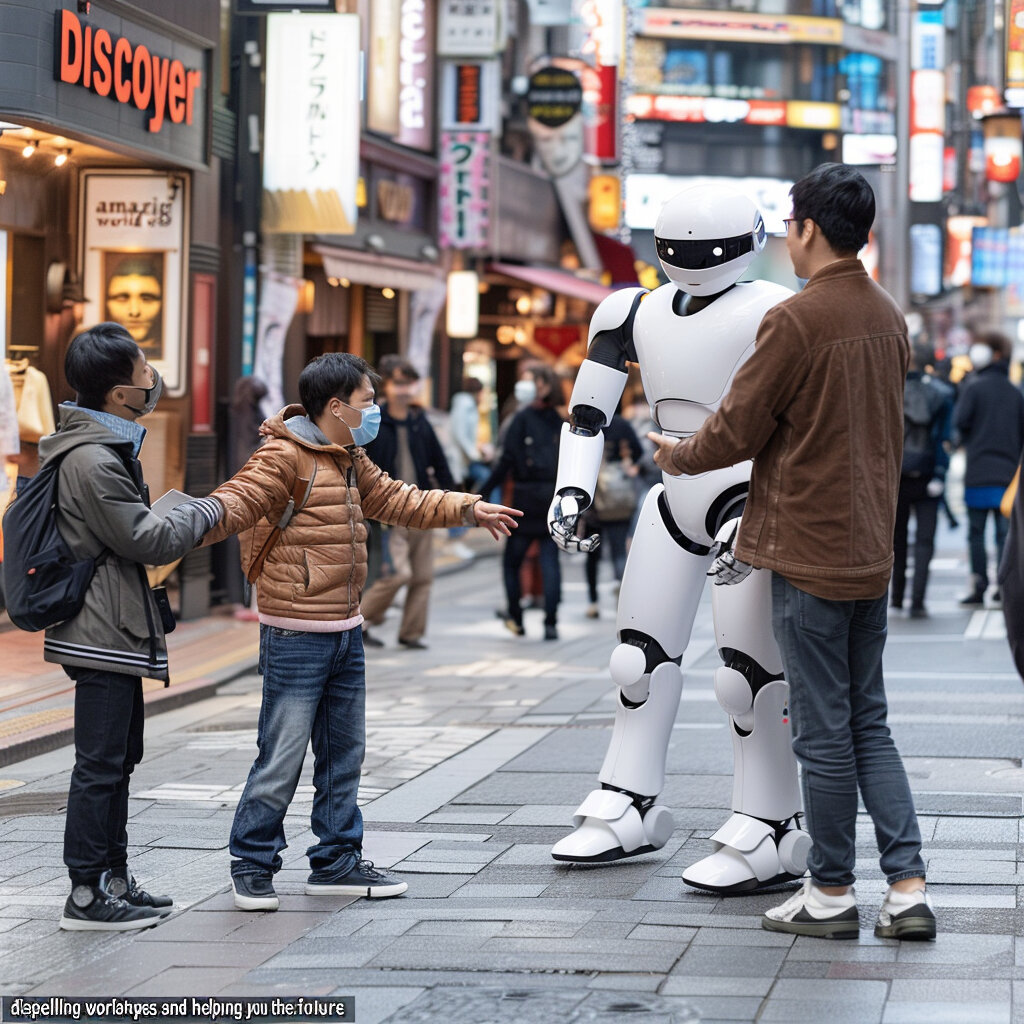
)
(255, 891)
(361, 880)
(92, 909)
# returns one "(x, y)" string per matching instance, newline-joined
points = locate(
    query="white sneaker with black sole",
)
(906, 915)
(363, 879)
(812, 912)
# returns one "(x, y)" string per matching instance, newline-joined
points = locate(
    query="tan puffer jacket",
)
(317, 569)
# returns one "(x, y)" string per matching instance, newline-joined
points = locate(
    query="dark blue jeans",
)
(976, 519)
(550, 570)
(832, 657)
(109, 719)
(314, 686)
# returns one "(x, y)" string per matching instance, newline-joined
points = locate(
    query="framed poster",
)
(134, 241)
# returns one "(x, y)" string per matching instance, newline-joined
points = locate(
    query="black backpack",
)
(921, 403)
(44, 583)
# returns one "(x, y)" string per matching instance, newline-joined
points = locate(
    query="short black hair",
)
(99, 359)
(391, 365)
(1002, 347)
(332, 375)
(840, 201)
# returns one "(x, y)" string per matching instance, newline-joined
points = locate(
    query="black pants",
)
(613, 539)
(515, 553)
(913, 497)
(109, 717)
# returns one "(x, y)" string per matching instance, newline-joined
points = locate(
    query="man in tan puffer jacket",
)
(313, 466)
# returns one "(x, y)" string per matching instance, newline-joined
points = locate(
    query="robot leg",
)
(658, 599)
(762, 843)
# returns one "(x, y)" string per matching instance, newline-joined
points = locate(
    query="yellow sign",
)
(670, 23)
(824, 116)
(605, 202)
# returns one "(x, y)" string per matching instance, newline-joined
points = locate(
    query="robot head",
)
(707, 235)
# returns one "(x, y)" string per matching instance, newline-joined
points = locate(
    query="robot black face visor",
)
(704, 253)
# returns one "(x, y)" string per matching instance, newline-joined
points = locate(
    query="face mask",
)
(151, 395)
(980, 356)
(369, 424)
(525, 391)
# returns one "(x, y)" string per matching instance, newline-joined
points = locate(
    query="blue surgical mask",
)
(369, 424)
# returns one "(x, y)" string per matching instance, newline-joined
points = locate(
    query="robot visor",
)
(704, 253)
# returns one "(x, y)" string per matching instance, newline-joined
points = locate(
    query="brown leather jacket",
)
(819, 408)
(317, 569)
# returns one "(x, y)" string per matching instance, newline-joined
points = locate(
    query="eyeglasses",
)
(789, 220)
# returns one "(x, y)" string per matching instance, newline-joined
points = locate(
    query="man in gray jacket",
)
(118, 636)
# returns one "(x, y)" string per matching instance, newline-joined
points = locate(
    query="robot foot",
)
(752, 855)
(610, 827)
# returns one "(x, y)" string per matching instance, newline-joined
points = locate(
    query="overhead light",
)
(374, 242)
(429, 252)
(388, 293)
(524, 304)
(62, 157)
(30, 147)
(344, 282)
(333, 282)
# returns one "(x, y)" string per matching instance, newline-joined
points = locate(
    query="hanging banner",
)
(417, 31)
(311, 134)
(134, 242)
(382, 67)
(279, 296)
(464, 189)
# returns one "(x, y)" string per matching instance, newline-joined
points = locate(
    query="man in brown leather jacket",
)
(311, 646)
(819, 408)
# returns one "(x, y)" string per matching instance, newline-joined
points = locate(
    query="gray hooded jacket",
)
(102, 514)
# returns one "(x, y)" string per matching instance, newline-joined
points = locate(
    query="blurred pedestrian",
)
(465, 430)
(989, 422)
(927, 415)
(300, 502)
(406, 448)
(818, 406)
(615, 500)
(530, 456)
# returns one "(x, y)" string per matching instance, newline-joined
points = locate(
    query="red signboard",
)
(557, 339)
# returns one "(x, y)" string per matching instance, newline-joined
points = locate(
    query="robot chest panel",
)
(693, 358)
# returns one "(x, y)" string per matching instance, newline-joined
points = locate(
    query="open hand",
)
(500, 520)
(664, 447)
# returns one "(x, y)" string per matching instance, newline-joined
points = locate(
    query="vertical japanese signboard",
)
(311, 137)
(464, 189)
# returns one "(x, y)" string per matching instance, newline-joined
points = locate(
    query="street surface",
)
(479, 750)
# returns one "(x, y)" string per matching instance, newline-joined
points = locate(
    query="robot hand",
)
(563, 516)
(935, 488)
(728, 569)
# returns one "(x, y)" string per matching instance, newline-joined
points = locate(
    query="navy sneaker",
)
(123, 885)
(255, 891)
(363, 879)
(90, 908)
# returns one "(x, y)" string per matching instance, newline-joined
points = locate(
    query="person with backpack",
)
(927, 413)
(530, 454)
(300, 503)
(115, 636)
(989, 421)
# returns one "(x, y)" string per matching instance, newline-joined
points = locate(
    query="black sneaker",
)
(126, 888)
(369, 640)
(362, 880)
(413, 645)
(255, 891)
(550, 632)
(91, 909)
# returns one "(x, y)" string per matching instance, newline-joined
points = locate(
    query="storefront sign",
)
(1015, 53)
(925, 259)
(395, 201)
(554, 97)
(134, 246)
(470, 92)
(601, 24)
(382, 64)
(670, 23)
(602, 102)
(468, 28)
(112, 66)
(928, 42)
(869, 149)
(311, 135)
(959, 230)
(416, 74)
(463, 188)
(714, 109)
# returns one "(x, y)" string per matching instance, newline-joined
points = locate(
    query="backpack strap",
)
(305, 474)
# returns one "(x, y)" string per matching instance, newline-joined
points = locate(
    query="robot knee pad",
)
(732, 690)
(628, 667)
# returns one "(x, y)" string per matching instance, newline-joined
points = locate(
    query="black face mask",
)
(152, 395)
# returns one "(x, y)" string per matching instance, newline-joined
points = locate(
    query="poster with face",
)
(133, 248)
(133, 289)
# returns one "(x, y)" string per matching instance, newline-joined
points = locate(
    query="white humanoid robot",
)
(689, 338)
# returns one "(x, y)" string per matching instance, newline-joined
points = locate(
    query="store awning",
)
(554, 281)
(379, 271)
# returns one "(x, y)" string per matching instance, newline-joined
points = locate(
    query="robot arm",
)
(595, 396)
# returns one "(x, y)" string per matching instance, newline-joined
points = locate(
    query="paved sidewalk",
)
(479, 750)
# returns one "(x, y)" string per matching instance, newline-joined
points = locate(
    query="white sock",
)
(897, 898)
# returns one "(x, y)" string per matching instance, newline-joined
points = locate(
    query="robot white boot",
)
(622, 819)
(762, 843)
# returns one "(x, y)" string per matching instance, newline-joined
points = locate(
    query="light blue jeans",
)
(314, 686)
(832, 657)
